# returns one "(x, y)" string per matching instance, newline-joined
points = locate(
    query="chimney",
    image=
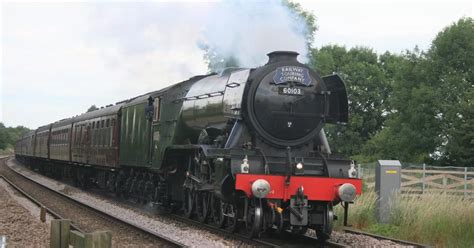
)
(278, 56)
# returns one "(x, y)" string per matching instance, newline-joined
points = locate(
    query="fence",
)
(420, 179)
(63, 237)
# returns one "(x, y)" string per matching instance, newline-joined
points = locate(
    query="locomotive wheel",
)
(232, 217)
(277, 219)
(324, 233)
(203, 208)
(188, 202)
(254, 218)
(217, 213)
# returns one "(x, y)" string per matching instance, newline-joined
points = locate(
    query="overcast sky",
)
(58, 58)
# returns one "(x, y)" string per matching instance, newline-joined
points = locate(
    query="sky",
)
(58, 58)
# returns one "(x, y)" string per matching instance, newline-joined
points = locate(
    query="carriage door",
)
(155, 134)
(87, 143)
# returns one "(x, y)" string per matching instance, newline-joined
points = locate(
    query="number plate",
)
(292, 91)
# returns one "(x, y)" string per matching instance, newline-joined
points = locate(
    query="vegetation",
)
(92, 108)
(8, 137)
(436, 219)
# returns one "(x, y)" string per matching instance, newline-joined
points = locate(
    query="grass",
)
(440, 220)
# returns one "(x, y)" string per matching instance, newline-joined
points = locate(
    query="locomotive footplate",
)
(299, 208)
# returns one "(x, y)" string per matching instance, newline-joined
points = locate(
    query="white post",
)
(423, 180)
(465, 183)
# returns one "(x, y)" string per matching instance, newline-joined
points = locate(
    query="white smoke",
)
(170, 39)
(247, 31)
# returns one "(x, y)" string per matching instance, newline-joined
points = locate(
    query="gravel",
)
(87, 220)
(356, 240)
(19, 220)
(189, 235)
(186, 234)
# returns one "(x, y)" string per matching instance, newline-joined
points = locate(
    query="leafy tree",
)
(431, 118)
(4, 137)
(411, 130)
(92, 108)
(451, 60)
(9, 135)
(367, 88)
(459, 149)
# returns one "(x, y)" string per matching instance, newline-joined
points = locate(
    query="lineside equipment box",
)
(387, 183)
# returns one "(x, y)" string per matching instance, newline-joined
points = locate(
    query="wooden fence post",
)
(76, 239)
(465, 183)
(445, 182)
(98, 240)
(60, 233)
(423, 180)
(43, 214)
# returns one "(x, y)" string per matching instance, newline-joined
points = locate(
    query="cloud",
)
(386, 24)
(60, 58)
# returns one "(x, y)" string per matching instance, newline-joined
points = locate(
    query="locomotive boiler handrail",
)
(295, 114)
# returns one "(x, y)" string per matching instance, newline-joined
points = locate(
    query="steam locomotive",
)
(244, 149)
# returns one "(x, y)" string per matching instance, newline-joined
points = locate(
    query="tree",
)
(367, 88)
(451, 60)
(411, 130)
(4, 137)
(459, 150)
(92, 108)
(431, 118)
(9, 135)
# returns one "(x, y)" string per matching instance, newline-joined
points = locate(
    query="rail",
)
(170, 242)
(259, 242)
(380, 237)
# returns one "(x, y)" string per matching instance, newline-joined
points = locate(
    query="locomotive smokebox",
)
(279, 56)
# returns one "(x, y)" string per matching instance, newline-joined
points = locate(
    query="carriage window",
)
(93, 124)
(107, 123)
(113, 122)
(156, 105)
(102, 123)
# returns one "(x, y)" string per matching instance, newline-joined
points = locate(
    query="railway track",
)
(379, 237)
(266, 241)
(84, 217)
